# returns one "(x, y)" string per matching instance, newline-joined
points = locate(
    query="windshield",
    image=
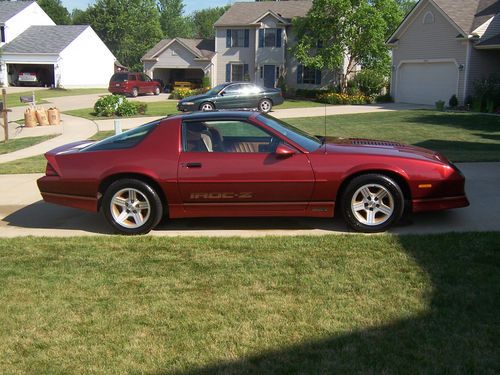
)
(127, 139)
(306, 140)
(216, 89)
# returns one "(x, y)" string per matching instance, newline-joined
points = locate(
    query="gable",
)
(9, 9)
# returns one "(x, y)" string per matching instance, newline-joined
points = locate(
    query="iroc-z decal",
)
(244, 195)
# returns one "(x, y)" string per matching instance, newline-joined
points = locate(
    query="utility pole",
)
(5, 110)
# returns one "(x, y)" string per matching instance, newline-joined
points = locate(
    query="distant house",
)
(72, 56)
(252, 43)
(442, 47)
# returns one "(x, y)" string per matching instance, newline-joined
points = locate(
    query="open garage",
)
(31, 75)
(169, 76)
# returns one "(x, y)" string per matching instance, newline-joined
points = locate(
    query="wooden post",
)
(4, 115)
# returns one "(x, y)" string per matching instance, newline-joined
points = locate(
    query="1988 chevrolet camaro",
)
(242, 164)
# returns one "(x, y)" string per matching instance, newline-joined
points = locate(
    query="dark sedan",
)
(233, 95)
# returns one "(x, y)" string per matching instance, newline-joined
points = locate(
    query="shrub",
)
(205, 82)
(369, 82)
(386, 98)
(117, 105)
(181, 93)
(282, 85)
(108, 105)
(486, 94)
(307, 93)
(440, 105)
(335, 98)
(453, 102)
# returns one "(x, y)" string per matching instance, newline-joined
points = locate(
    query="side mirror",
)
(222, 93)
(285, 151)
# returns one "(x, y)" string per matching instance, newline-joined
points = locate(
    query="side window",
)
(229, 136)
(140, 77)
(146, 78)
(233, 89)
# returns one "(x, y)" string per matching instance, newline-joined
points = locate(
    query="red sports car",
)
(241, 163)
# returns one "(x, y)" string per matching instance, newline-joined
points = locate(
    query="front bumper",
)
(186, 107)
(438, 204)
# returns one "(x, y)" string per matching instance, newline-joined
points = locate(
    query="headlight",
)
(187, 103)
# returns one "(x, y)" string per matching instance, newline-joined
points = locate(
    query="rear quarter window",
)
(119, 77)
(126, 139)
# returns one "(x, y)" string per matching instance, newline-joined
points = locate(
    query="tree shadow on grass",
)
(459, 334)
(471, 122)
(459, 151)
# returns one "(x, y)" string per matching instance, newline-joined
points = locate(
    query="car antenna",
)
(324, 141)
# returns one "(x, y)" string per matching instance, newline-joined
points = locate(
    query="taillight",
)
(50, 171)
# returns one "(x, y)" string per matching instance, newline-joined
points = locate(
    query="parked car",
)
(245, 163)
(133, 84)
(33, 76)
(233, 95)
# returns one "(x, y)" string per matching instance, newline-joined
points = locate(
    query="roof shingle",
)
(247, 13)
(44, 39)
(9, 9)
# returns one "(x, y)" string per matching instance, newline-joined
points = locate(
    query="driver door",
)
(237, 172)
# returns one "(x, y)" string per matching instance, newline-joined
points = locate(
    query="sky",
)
(191, 5)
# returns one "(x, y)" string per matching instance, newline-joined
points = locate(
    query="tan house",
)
(442, 47)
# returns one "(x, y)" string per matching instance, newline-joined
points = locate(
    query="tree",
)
(406, 5)
(356, 28)
(173, 23)
(56, 11)
(128, 27)
(80, 17)
(205, 19)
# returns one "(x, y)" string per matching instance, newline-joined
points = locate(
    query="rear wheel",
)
(134, 92)
(265, 105)
(132, 207)
(372, 203)
(157, 91)
(207, 106)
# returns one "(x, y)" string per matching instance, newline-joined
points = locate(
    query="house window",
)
(236, 72)
(308, 75)
(270, 37)
(237, 38)
(2, 33)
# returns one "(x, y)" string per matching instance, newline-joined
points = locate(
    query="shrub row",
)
(118, 105)
(184, 93)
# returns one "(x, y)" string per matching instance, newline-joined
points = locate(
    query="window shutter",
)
(318, 77)
(261, 38)
(228, 72)
(245, 72)
(299, 73)
(228, 38)
(278, 37)
(247, 38)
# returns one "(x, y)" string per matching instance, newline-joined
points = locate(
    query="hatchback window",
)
(119, 77)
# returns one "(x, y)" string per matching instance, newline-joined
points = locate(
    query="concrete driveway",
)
(23, 213)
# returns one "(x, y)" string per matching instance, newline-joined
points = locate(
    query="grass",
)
(41, 95)
(296, 103)
(309, 305)
(462, 137)
(162, 108)
(20, 143)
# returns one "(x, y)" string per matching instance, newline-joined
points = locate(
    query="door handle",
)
(193, 165)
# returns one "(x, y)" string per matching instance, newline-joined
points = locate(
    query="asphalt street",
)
(22, 213)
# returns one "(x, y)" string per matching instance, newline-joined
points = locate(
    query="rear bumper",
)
(438, 204)
(46, 184)
(118, 90)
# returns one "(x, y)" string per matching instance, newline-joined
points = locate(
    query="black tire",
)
(372, 203)
(129, 225)
(206, 106)
(135, 92)
(265, 105)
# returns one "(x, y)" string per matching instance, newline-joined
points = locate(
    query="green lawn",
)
(20, 143)
(296, 103)
(338, 304)
(40, 95)
(162, 108)
(462, 137)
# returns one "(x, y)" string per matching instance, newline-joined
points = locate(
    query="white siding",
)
(30, 16)
(433, 42)
(86, 62)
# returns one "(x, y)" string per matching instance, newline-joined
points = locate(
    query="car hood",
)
(194, 98)
(334, 145)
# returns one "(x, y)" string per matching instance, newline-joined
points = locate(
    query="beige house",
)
(442, 47)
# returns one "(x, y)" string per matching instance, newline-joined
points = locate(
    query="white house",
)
(71, 55)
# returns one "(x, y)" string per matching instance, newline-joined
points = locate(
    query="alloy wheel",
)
(130, 208)
(372, 204)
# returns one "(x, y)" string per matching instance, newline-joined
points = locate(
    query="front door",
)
(229, 168)
(269, 76)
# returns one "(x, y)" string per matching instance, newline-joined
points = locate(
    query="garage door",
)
(426, 83)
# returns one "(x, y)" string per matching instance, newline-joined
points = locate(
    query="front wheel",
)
(372, 203)
(157, 91)
(207, 106)
(134, 92)
(265, 105)
(132, 207)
